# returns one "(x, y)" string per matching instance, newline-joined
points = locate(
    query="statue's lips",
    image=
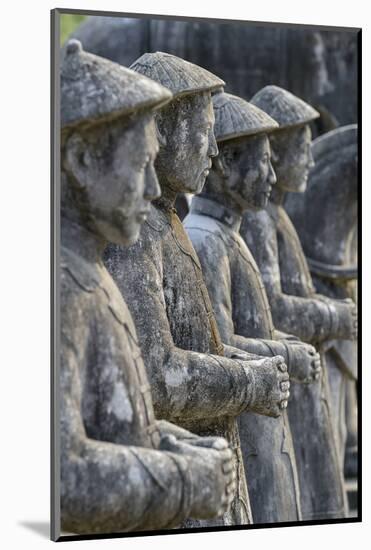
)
(206, 170)
(209, 164)
(140, 216)
(143, 213)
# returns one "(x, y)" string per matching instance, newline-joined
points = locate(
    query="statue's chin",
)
(124, 235)
(128, 241)
(301, 185)
(298, 185)
(199, 185)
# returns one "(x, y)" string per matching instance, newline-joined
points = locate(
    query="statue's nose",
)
(213, 146)
(152, 189)
(272, 178)
(311, 162)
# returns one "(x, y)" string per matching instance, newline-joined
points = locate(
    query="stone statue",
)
(241, 177)
(121, 470)
(325, 217)
(196, 380)
(296, 308)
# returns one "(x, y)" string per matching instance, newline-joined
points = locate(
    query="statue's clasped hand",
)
(347, 316)
(270, 385)
(305, 362)
(212, 466)
(354, 318)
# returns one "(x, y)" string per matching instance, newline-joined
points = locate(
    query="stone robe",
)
(192, 383)
(105, 399)
(296, 308)
(242, 311)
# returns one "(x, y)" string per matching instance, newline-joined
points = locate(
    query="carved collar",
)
(224, 214)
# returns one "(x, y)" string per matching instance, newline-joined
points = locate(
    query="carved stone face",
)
(249, 174)
(113, 171)
(187, 142)
(292, 157)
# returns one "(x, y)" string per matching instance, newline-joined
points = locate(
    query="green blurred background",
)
(69, 24)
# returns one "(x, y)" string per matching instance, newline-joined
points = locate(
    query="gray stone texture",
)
(297, 309)
(93, 88)
(325, 217)
(120, 468)
(196, 380)
(239, 178)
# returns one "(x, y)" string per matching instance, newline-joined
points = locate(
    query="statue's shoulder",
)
(202, 223)
(77, 273)
(261, 221)
(206, 230)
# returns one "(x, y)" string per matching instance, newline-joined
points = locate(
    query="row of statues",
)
(183, 344)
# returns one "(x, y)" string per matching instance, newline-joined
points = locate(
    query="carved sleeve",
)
(106, 487)
(307, 318)
(213, 254)
(185, 384)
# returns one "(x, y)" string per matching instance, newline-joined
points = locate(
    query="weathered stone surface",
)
(318, 65)
(121, 470)
(292, 160)
(233, 119)
(93, 88)
(266, 442)
(297, 309)
(287, 109)
(241, 177)
(325, 217)
(176, 74)
(161, 280)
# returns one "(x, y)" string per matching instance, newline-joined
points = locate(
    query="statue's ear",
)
(77, 159)
(224, 161)
(274, 156)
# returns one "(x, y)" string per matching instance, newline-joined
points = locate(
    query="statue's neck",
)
(80, 239)
(168, 196)
(78, 232)
(232, 204)
(221, 195)
(277, 195)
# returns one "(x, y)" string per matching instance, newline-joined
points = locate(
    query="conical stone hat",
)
(94, 88)
(179, 76)
(286, 108)
(235, 117)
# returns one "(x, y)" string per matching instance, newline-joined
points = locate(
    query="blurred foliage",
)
(69, 24)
